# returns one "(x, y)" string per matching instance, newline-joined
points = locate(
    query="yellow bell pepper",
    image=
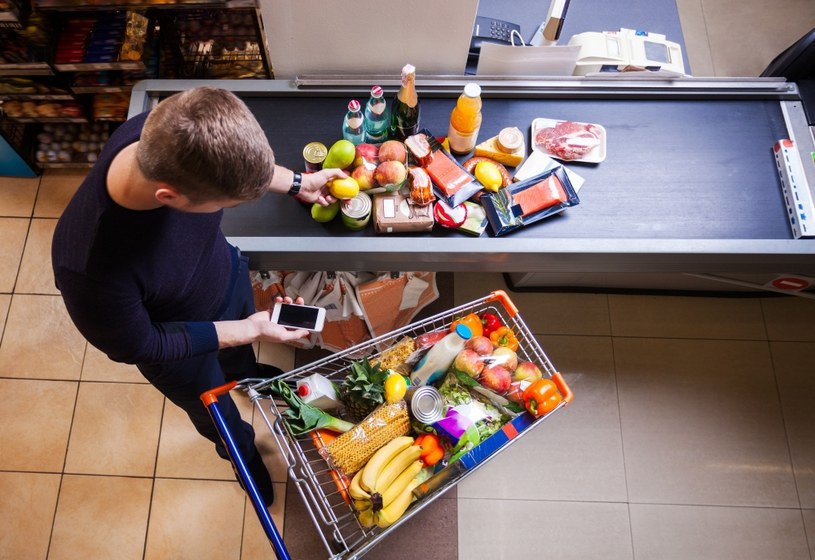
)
(504, 336)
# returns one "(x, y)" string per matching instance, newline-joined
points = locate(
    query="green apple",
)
(325, 213)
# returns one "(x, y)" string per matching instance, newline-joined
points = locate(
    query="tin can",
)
(314, 154)
(426, 403)
(356, 212)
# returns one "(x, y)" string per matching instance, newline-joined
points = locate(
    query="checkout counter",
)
(688, 192)
(689, 183)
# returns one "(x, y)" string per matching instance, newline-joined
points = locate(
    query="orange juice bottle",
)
(465, 120)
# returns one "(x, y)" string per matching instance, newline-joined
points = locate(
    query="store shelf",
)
(77, 6)
(26, 69)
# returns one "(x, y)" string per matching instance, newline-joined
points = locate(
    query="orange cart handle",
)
(211, 396)
(508, 304)
(563, 387)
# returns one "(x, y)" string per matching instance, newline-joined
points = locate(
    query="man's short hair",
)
(206, 143)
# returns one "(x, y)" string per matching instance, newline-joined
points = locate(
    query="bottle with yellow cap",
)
(465, 120)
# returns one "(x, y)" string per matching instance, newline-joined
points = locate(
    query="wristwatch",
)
(296, 183)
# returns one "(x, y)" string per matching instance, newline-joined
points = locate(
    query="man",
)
(146, 274)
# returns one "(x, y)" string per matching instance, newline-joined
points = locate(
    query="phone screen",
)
(298, 316)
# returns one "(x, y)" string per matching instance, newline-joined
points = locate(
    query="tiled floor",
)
(691, 435)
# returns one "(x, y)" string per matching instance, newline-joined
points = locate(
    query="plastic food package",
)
(350, 451)
(529, 201)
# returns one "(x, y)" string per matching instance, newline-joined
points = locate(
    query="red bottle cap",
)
(376, 91)
(303, 390)
(353, 105)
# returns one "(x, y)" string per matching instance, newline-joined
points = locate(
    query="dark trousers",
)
(183, 381)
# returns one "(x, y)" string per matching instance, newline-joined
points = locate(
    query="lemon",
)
(488, 175)
(340, 155)
(344, 188)
(395, 388)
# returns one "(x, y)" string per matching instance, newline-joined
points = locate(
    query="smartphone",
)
(295, 316)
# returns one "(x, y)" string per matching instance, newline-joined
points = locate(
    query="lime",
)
(324, 214)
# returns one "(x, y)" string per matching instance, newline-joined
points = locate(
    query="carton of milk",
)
(796, 190)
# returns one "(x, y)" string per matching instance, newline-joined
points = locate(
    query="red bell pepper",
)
(491, 322)
(542, 397)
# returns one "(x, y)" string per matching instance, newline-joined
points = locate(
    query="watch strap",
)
(296, 183)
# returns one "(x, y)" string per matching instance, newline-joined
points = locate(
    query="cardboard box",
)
(496, 441)
(393, 213)
(797, 193)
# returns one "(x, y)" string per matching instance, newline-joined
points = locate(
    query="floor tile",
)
(702, 423)
(732, 32)
(199, 519)
(52, 350)
(115, 430)
(562, 530)
(576, 454)
(27, 511)
(793, 369)
(57, 186)
(544, 313)
(789, 318)
(101, 517)
(17, 196)
(36, 419)
(256, 545)
(184, 453)
(686, 317)
(13, 232)
(98, 367)
(280, 355)
(36, 275)
(5, 303)
(694, 31)
(435, 527)
(809, 526)
(664, 532)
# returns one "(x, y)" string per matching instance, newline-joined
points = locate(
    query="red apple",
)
(469, 362)
(390, 173)
(526, 371)
(496, 378)
(516, 392)
(364, 176)
(505, 357)
(366, 153)
(393, 150)
(480, 344)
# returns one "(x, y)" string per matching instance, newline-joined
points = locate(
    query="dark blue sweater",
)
(141, 286)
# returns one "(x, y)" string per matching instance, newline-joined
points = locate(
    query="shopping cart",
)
(323, 490)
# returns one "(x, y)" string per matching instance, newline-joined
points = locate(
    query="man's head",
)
(207, 145)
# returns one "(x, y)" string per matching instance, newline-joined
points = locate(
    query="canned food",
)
(426, 403)
(314, 154)
(356, 212)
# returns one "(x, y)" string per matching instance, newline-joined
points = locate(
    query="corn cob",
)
(395, 357)
(350, 451)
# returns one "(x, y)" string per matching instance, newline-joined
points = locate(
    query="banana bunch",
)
(383, 489)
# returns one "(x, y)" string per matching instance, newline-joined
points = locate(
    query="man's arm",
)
(313, 185)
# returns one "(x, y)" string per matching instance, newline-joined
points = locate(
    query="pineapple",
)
(363, 389)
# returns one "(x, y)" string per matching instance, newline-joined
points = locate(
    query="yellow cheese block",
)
(491, 149)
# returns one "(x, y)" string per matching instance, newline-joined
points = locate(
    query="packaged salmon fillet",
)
(526, 202)
(452, 182)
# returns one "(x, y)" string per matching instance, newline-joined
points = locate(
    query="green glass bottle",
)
(405, 108)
